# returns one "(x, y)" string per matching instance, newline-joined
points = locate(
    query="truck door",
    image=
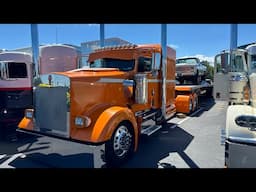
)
(221, 77)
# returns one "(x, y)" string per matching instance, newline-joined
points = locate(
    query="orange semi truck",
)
(108, 102)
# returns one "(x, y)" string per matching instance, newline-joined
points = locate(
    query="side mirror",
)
(156, 62)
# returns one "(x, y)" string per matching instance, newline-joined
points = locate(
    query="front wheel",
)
(121, 145)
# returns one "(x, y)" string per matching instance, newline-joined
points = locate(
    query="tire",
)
(190, 106)
(181, 81)
(121, 145)
(195, 104)
(197, 79)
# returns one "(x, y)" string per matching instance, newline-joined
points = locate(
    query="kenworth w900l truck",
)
(108, 102)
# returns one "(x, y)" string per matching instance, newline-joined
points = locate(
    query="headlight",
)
(29, 113)
(82, 121)
(238, 78)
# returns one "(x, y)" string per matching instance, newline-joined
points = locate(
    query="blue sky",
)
(202, 40)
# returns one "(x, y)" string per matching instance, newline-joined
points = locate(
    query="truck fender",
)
(26, 123)
(108, 122)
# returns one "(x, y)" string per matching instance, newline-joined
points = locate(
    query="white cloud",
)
(210, 59)
(173, 46)
(93, 25)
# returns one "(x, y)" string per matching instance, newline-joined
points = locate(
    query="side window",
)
(222, 63)
(144, 64)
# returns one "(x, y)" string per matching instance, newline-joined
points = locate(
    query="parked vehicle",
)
(16, 78)
(15, 87)
(230, 79)
(240, 142)
(107, 103)
(191, 69)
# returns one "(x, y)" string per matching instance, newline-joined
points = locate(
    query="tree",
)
(210, 69)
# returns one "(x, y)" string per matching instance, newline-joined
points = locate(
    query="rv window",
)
(0, 70)
(17, 70)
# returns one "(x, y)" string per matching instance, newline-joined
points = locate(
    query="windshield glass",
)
(123, 65)
(187, 60)
(13, 70)
(17, 70)
(253, 64)
(237, 64)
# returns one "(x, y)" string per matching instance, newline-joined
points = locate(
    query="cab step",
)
(150, 129)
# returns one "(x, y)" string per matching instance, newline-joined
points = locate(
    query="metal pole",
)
(102, 34)
(233, 43)
(164, 62)
(35, 49)
(233, 36)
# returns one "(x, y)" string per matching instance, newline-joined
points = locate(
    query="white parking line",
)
(5, 164)
(2, 156)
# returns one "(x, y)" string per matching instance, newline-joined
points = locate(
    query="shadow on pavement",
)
(158, 146)
(205, 104)
(10, 147)
(54, 160)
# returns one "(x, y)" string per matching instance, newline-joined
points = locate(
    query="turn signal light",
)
(29, 113)
(246, 94)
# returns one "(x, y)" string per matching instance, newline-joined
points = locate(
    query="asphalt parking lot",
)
(191, 142)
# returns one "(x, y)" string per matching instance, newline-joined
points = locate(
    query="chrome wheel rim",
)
(122, 141)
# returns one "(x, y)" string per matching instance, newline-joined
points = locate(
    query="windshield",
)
(13, 70)
(123, 65)
(237, 64)
(187, 60)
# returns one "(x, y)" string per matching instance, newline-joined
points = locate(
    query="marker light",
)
(82, 121)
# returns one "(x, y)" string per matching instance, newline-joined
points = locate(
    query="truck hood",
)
(185, 65)
(84, 74)
(237, 133)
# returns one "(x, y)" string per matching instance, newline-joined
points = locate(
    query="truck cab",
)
(230, 69)
(240, 140)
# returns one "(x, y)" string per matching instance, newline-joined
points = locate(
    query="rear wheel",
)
(121, 145)
(195, 104)
(190, 107)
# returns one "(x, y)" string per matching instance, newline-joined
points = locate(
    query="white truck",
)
(240, 143)
(230, 76)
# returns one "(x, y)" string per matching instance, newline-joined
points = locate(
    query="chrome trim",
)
(159, 81)
(110, 80)
(242, 139)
